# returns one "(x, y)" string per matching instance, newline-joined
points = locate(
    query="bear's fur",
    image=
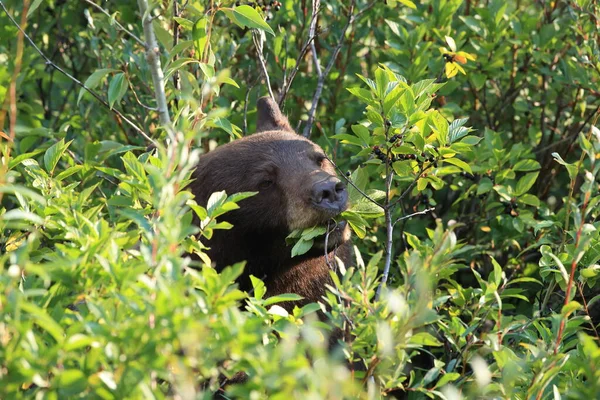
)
(297, 188)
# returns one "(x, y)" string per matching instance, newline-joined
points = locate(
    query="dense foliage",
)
(466, 130)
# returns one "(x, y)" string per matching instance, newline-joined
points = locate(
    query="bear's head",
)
(297, 186)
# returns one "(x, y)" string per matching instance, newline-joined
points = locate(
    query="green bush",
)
(467, 132)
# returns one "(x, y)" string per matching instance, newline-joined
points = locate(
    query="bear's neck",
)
(269, 258)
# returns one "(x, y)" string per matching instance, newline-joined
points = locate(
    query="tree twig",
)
(387, 211)
(287, 83)
(119, 26)
(352, 18)
(246, 99)
(324, 74)
(153, 58)
(259, 50)
(11, 103)
(77, 81)
(359, 190)
(175, 27)
(427, 210)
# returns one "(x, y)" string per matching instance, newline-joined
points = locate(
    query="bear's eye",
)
(319, 159)
(267, 183)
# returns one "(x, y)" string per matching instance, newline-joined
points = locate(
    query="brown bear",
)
(297, 188)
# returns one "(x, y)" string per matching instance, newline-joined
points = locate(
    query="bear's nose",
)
(330, 194)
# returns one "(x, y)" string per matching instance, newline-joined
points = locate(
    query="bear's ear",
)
(269, 117)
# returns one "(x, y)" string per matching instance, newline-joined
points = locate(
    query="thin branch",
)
(119, 26)
(287, 83)
(366, 196)
(246, 99)
(311, 32)
(367, 8)
(259, 50)
(175, 28)
(412, 184)
(153, 59)
(11, 101)
(387, 210)
(77, 81)
(426, 211)
(206, 51)
(352, 18)
(323, 76)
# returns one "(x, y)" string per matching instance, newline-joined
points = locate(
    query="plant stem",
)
(387, 207)
(77, 81)
(153, 58)
(208, 33)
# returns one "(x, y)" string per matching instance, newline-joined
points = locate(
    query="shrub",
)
(468, 134)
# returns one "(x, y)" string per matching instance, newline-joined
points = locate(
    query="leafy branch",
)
(77, 81)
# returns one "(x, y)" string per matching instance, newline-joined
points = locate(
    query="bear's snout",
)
(330, 195)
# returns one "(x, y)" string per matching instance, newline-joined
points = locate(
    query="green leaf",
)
(23, 191)
(228, 127)
(78, 341)
(44, 321)
(237, 197)
(364, 95)
(357, 223)
(525, 183)
(71, 382)
(571, 169)
(425, 339)
(282, 297)
(459, 163)
(527, 165)
(485, 185)
(164, 37)
(366, 208)
(258, 286)
(447, 378)
(530, 200)
(21, 215)
(53, 154)
(116, 89)
(313, 232)
(34, 6)
(569, 308)
(248, 16)
(68, 172)
(215, 200)
(496, 275)
(301, 247)
(456, 130)
(408, 4)
(440, 125)
(94, 79)
(524, 279)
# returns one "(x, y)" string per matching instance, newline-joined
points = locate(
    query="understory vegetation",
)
(467, 132)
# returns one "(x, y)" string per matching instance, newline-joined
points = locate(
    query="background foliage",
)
(475, 116)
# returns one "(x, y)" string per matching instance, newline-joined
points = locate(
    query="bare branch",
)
(119, 26)
(323, 76)
(176, 31)
(287, 83)
(412, 184)
(153, 58)
(10, 103)
(257, 38)
(248, 90)
(366, 196)
(311, 32)
(77, 81)
(426, 211)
